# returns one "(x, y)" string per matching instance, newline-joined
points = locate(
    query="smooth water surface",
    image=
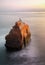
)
(34, 53)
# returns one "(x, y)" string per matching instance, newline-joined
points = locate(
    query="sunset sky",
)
(13, 5)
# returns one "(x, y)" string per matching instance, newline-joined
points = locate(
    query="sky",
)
(18, 5)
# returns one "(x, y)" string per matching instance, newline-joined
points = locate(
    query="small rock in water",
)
(18, 36)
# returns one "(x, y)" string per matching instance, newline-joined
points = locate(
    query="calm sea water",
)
(34, 53)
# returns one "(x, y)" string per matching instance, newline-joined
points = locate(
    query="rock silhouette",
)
(18, 36)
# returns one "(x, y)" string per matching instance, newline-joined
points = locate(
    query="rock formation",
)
(18, 36)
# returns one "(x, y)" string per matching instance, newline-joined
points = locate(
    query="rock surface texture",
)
(18, 37)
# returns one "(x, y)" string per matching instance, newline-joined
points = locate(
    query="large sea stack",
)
(18, 37)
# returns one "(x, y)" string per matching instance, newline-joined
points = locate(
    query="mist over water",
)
(34, 53)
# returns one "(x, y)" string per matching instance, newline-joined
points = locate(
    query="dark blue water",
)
(34, 53)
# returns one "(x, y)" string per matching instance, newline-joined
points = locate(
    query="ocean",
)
(34, 53)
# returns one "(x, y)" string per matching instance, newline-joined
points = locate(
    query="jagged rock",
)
(18, 36)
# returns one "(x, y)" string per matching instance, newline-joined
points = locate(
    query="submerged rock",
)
(18, 36)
